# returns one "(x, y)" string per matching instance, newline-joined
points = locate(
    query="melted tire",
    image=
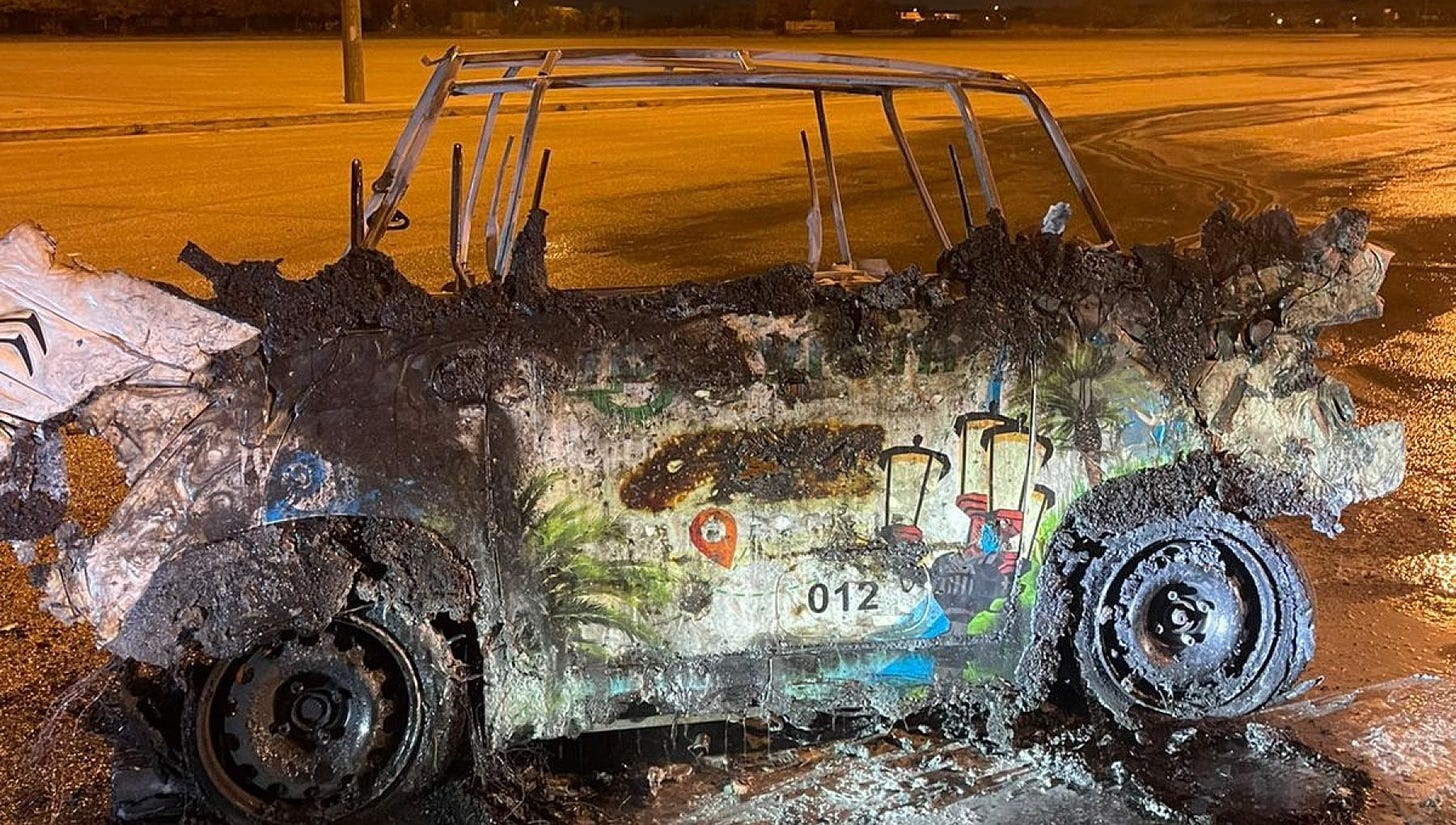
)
(383, 687)
(1201, 616)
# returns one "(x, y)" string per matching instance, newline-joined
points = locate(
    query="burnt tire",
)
(336, 726)
(1201, 616)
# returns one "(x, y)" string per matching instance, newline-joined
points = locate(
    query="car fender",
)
(221, 598)
(1173, 491)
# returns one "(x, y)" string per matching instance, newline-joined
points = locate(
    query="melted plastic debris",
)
(1184, 308)
(1232, 773)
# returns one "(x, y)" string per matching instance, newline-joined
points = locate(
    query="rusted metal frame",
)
(887, 101)
(815, 220)
(457, 265)
(548, 63)
(960, 182)
(492, 218)
(908, 67)
(541, 178)
(356, 204)
(482, 150)
(836, 205)
(979, 156)
(1070, 164)
(390, 186)
(793, 80)
(713, 64)
(588, 56)
(518, 179)
(734, 59)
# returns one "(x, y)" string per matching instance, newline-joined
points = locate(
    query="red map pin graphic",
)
(715, 534)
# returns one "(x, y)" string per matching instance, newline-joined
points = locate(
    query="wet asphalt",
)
(1310, 123)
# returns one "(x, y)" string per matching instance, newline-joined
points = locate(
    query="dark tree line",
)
(215, 15)
(508, 15)
(548, 16)
(108, 15)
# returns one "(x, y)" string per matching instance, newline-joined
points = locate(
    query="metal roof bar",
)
(523, 157)
(701, 68)
(1070, 164)
(989, 194)
(887, 100)
(836, 205)
(389, 188)
(741, 60)
(763, 78)
(482, 150)
(492, 218)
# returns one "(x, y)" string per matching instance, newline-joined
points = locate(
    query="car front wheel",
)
(324, 727)
(1201, 616)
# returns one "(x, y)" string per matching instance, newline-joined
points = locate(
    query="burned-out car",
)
(371, 528)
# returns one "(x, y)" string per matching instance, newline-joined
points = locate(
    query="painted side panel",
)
(885, 522)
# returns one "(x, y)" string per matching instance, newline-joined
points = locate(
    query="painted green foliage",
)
(1088, 392)
(585, 594)
(608, 400)
(1084, 392)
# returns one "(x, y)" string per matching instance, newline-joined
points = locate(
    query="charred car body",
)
(366, 523)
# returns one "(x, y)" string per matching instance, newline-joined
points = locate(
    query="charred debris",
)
(1183, 307)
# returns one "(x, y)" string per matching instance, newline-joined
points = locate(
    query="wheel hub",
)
(310, 726)
(1179, 619)
(315, 711)
(1181, 623)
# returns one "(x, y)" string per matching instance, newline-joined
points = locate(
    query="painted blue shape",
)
(989, 542)
(925, 620)
(993, 387)
(301, 474)
(908, 669)
(897, 671)
(939, 624)
(298, 486)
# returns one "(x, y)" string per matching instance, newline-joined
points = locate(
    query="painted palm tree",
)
(1084, 391)
(581, 590)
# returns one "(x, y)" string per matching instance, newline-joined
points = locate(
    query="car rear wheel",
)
(1202, 616)
(324, 727)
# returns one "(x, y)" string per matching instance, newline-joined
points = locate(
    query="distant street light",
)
(352, 31)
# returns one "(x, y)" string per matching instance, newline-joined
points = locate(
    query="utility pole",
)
(352, 30)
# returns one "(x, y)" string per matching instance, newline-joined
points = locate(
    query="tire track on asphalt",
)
(1131, 142)
(1300, 68)
(281, 119)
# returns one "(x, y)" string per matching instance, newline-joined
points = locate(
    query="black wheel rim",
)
(1187, 625)
(310, 727)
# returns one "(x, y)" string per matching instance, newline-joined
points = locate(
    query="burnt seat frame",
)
(459, 73)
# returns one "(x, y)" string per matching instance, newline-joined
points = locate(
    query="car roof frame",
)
(535, 71)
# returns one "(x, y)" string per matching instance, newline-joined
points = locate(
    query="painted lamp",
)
(910, 472)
